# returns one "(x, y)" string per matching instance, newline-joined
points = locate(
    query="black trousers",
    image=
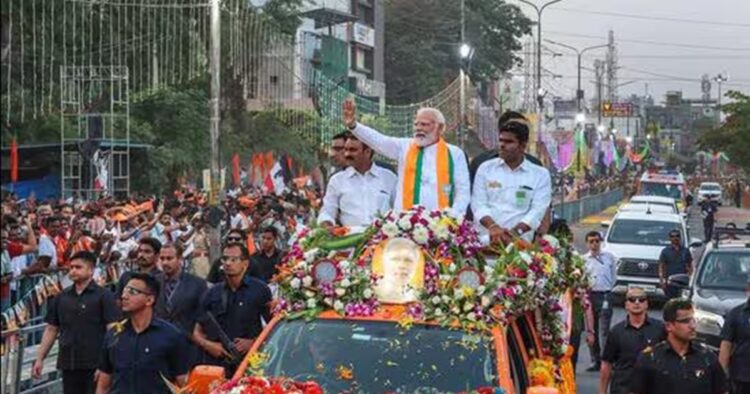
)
(740, 387)
(78, 381)
(708, 228)
(602, 320)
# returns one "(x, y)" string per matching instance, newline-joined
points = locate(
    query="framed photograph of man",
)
(400, 264)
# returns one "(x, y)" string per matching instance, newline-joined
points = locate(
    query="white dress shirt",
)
(511, 196)
(354, 199)
(603, 270)
(396, 148)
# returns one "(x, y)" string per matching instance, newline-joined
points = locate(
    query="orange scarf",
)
(413, 176)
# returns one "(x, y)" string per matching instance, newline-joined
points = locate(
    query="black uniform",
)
(137, 361)
(708, 211)
(238, 313)
(624, 343)
(82, 320)
(737, 331)
(660, 370)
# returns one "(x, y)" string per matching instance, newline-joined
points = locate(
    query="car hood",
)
(718, 301)
(633, 251)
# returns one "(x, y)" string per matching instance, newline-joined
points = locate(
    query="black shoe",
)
(593, 368)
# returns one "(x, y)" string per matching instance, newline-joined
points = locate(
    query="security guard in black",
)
(679, 364)
(735, 345)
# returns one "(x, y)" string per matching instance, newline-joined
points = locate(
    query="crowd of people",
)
(142, 297)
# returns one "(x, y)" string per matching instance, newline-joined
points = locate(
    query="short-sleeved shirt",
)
(82, 320)
(262, 266)
(47, 248)
(137, 361)
(238, 312)
(737, 331)
(676, 260)
(660, 370)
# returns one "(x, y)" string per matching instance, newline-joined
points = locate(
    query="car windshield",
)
(641, 232)
(725, 270)
(376, 357)
(710, 188)
(661, 189)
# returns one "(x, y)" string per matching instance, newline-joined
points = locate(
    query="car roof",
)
(654, 199)
(654, 216)
(646, 205)
(710, 184)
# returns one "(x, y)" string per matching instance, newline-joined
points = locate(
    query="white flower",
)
(312, 303)
(340, 292)
(481, 289)
(452, 267)
(295, 283)
(390, 230)
(310, 255)
(443, 232)
(309, 294)
(345, 283)
(438, 312)
(456, 310)
(328, 300)
(436, 300)
(405, 223)
(458, 294)
(433, 224)
(421, 234)
(344, 265)
(472, 316)
(367, 293)
(525, 257)
(468, 306)
(485, 301)
(307, 281)
(553, 242)
(338, 305)
(446, 299)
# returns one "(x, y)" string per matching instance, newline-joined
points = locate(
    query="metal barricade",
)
(574, 211)
(18, 357)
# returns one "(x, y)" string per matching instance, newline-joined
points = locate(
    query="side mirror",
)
(695, 243)
(606, 223)
(681, 281)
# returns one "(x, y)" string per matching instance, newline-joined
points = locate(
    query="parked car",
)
(719, 282)
(636, 239)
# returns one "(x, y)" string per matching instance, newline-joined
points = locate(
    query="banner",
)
(236, 170)
(13, 160)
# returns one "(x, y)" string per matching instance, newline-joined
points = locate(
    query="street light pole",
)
(538, 87)
(579, 91)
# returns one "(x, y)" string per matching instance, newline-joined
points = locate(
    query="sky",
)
(667, 44)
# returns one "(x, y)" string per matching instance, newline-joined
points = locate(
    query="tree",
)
(422, 39)
(732, 137)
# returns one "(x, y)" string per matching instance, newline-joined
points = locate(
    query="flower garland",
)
(260, 385)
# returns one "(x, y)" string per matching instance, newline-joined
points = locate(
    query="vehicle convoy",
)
(636, 239)
(414, 305)
(719, 283)
(663, 183)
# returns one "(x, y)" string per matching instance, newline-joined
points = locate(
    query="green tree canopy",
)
(733, 137)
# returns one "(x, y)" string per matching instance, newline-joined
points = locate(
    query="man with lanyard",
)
(709, 207)
(626, 340)
(511, 195)
(357, 195)
(680, 364)
(431, 172)
(734, 353)
(601, 266)
(674, 259)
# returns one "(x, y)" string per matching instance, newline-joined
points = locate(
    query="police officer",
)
(234, 307)
(142, 349)
(626, 340)
(709, 207)
(679, 364)
(734, 353)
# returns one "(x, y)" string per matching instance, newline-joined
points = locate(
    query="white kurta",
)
(397, 149)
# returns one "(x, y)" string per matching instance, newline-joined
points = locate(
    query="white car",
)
(637, 207)
(636, 239)
(656, 200)
(710, 189)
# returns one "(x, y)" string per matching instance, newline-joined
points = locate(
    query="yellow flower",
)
(467, 291)
(256, 360)
(345, 373)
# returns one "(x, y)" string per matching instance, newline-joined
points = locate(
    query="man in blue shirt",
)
(237, 304)
(141, 350)
(674, 259)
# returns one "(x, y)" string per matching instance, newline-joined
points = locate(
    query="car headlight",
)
(709, 322)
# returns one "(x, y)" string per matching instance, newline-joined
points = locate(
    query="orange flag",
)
(236, 169)
(13, 160)
(268, 163)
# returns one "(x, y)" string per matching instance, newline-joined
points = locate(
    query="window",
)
(642, 232)
(362, 59)
(727, 270)
(274, 79)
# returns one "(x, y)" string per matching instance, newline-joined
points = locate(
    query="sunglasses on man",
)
(637, 300)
